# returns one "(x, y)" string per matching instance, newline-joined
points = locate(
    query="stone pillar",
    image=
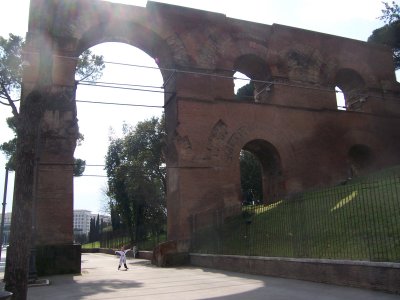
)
(53, 77)
(54, 203)
(194, 182)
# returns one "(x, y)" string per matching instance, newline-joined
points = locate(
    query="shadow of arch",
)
(271, 167)
(360, 159)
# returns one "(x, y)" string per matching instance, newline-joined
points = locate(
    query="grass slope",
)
(357, 221)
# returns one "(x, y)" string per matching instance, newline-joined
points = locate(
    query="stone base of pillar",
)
(171, 254)
(58, 259)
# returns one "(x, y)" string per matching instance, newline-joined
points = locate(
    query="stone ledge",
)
(171, 253)
(381, 276)
(39, 282)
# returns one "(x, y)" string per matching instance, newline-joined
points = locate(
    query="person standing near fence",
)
(122, 257)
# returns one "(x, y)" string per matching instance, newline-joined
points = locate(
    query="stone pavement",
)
(100, 279)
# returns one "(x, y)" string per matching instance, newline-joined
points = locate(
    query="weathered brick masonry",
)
(292, 124)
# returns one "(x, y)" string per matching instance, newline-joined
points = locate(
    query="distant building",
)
(105, 219)
(82, 220)
(7, 224)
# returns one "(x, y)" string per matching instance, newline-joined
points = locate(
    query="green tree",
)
(246, 92)
(250, 176)
(79, 166)
(89, 67)
(389, 34)
(136, 178)
(97, 228)
(120, 209)
(391, 13)
(92, 230)
(10, 71)
(9, 149)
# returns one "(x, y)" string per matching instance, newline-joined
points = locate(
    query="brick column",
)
(53, 204)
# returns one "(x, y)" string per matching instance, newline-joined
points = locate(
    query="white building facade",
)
(6, 229)
(82, 221)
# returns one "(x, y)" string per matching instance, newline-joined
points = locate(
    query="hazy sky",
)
(354, 19)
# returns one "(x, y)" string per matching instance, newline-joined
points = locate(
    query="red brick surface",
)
(296, 122)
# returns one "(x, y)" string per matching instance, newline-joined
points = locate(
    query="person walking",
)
(122, 257)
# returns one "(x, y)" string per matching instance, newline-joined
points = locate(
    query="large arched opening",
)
(129, 91)
(262, 170)
(133, 81)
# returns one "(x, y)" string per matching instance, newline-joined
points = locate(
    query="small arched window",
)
(340, 101)
(353, 87)
(244, 89)
(260, 87)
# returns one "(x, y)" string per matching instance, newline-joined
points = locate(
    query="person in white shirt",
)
(122, 257)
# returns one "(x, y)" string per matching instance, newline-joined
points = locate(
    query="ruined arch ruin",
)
(198, 53)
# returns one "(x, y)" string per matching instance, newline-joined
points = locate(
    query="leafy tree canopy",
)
(246, 92)
(391, 13)
(136, 173)
(10, 70)
(250, 177)
(10, 148)
(89, 67)
(389, 34)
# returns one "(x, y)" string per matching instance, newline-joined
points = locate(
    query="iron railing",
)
(358, 220)
(120, 238)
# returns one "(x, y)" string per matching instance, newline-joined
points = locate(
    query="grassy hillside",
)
(359, 220)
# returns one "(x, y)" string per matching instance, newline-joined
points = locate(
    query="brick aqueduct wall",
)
(292, 124)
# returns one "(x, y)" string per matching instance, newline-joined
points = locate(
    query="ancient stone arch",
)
(207, 127)
(272, 179)
(353, 88)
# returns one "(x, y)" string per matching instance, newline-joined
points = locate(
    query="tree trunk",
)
(17, 261)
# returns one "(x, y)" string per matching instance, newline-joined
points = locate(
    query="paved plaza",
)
(100, 279)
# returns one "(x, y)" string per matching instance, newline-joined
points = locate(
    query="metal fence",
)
(120, 238)
(359, 220)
